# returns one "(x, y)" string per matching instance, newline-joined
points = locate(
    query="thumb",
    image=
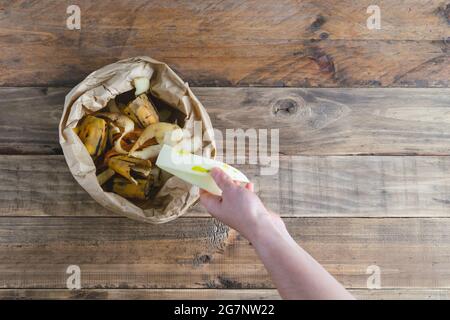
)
(223, 181)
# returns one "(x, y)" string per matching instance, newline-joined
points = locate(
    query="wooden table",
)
(364, 175)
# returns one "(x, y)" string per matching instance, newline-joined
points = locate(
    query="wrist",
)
(265, 230)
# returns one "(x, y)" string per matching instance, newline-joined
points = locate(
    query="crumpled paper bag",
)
(176, 196)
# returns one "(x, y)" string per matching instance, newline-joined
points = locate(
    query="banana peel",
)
(130, 139)
(93, 133)
(125, 124)
(113, 133)
(147, 153)
(105, 176)
(142, 111)
(125, 139)
(126, 110)
(126, 166)
(108, 155)
(139, 190)
(162, 132)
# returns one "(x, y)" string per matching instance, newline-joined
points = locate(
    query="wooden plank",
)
(338, 121)
(201, 253)
(207, 294)
(310, 121)
(287, 43)
(140, 294)
(402, 294)
(340, 186)
(29, 121)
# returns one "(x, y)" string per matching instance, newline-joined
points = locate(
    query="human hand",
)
(295, 273)
(238, 207)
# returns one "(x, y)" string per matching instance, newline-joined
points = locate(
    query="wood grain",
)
(388, 208)
(343, 186)
(209, 43)
(201, 253)
(402, 294)
(338, 121)
(140, 294)
(310, 121)
(207, 294)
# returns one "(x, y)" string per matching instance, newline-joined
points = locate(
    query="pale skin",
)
(294, 272)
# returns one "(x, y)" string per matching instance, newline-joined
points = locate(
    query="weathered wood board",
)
(201, 253)
(310, 121)
(364, 166)
(195, 294)
(284, 43)
(341, 186)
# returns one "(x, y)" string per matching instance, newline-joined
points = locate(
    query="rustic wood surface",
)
(314, 43)
(364, 175)
(202, 253)
(342, 186)
(394, 121)
(195, 294)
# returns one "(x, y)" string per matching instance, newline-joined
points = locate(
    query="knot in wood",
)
(287, 107)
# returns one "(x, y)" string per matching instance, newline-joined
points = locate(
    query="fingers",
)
(209, 201)
(250, 186)
(223, 181)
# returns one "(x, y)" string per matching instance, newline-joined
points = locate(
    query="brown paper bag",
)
(176, 196)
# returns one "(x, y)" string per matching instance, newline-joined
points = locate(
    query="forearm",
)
(295, 273)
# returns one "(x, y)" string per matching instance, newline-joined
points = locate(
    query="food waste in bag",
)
(125, 139)
(115, 124)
